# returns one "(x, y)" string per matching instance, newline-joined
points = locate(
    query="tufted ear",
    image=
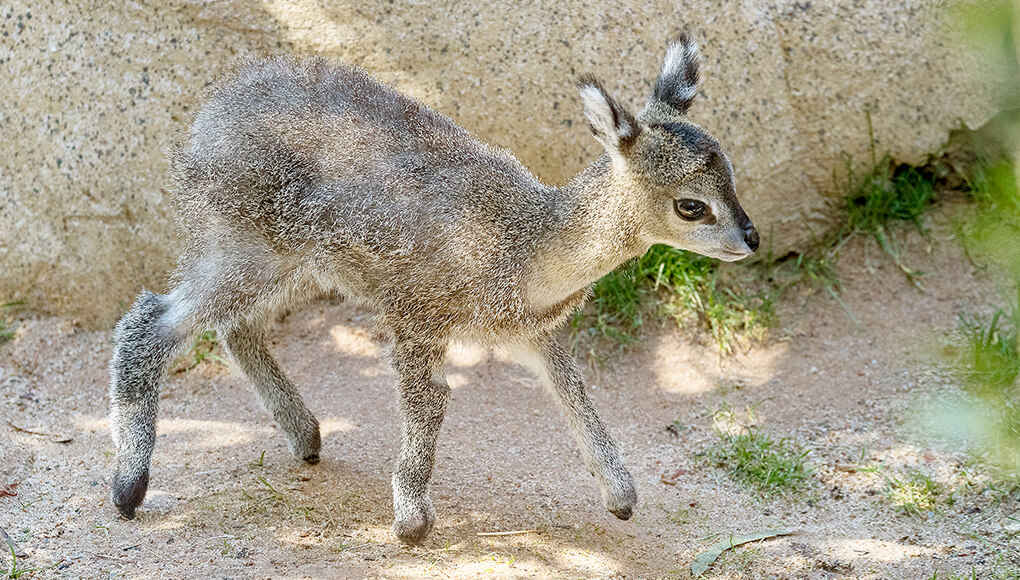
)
(611, 124)
(678, 78)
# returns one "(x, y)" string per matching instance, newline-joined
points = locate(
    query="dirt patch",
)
(228, 500)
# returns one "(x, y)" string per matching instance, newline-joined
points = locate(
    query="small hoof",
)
(623, 498)
(623, 513)
(128, 495)
(305, 442)
(126, 511)
(412, 531)
(414, 522)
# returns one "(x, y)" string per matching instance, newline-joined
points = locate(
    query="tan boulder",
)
(94, 92)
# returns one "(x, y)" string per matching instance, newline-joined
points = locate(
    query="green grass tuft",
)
(875, 201)
(990, 359)
(886, 194)
(678, 285)
(914, 493)
(767, 465)
(14, 572)
(873, 204)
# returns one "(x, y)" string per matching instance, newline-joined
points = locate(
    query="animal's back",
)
(329, 168)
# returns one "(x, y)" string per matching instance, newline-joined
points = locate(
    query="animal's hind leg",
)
(248, 346)
(146, 339)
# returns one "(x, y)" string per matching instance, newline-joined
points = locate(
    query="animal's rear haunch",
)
(301, 177)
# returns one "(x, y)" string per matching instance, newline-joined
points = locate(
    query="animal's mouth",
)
(731, 256)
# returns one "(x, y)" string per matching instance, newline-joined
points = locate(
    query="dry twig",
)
(508, 533)
(53, 436)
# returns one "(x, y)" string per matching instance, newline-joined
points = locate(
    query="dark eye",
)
(689, 209)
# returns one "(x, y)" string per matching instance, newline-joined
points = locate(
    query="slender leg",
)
(561, 375)
(146, 340)
(423, 397)
(248, 346)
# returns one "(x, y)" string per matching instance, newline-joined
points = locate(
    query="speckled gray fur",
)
(302, 177)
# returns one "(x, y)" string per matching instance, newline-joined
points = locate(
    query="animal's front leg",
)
(559, 371)
(423, 397)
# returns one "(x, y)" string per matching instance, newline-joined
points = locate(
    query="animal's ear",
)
(614, 126)
(678, 78)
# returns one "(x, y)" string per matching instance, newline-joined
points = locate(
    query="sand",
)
(228, 501)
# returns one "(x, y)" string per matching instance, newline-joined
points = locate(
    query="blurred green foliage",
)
(988, 356)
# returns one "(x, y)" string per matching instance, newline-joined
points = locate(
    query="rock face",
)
(94, 92)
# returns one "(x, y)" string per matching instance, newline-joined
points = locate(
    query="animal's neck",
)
(598, 232)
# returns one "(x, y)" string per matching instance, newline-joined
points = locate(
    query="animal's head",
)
(679, 176)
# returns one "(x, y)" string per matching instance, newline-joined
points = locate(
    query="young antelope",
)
(302, 177)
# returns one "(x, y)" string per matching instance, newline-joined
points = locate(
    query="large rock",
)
(93, 92)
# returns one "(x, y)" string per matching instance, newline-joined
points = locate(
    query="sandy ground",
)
(228, 501)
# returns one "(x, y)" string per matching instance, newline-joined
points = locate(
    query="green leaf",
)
(704, 559)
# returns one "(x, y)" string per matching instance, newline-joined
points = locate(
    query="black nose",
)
(751, 237)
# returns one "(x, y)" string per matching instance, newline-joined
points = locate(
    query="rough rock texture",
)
(93, 92)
